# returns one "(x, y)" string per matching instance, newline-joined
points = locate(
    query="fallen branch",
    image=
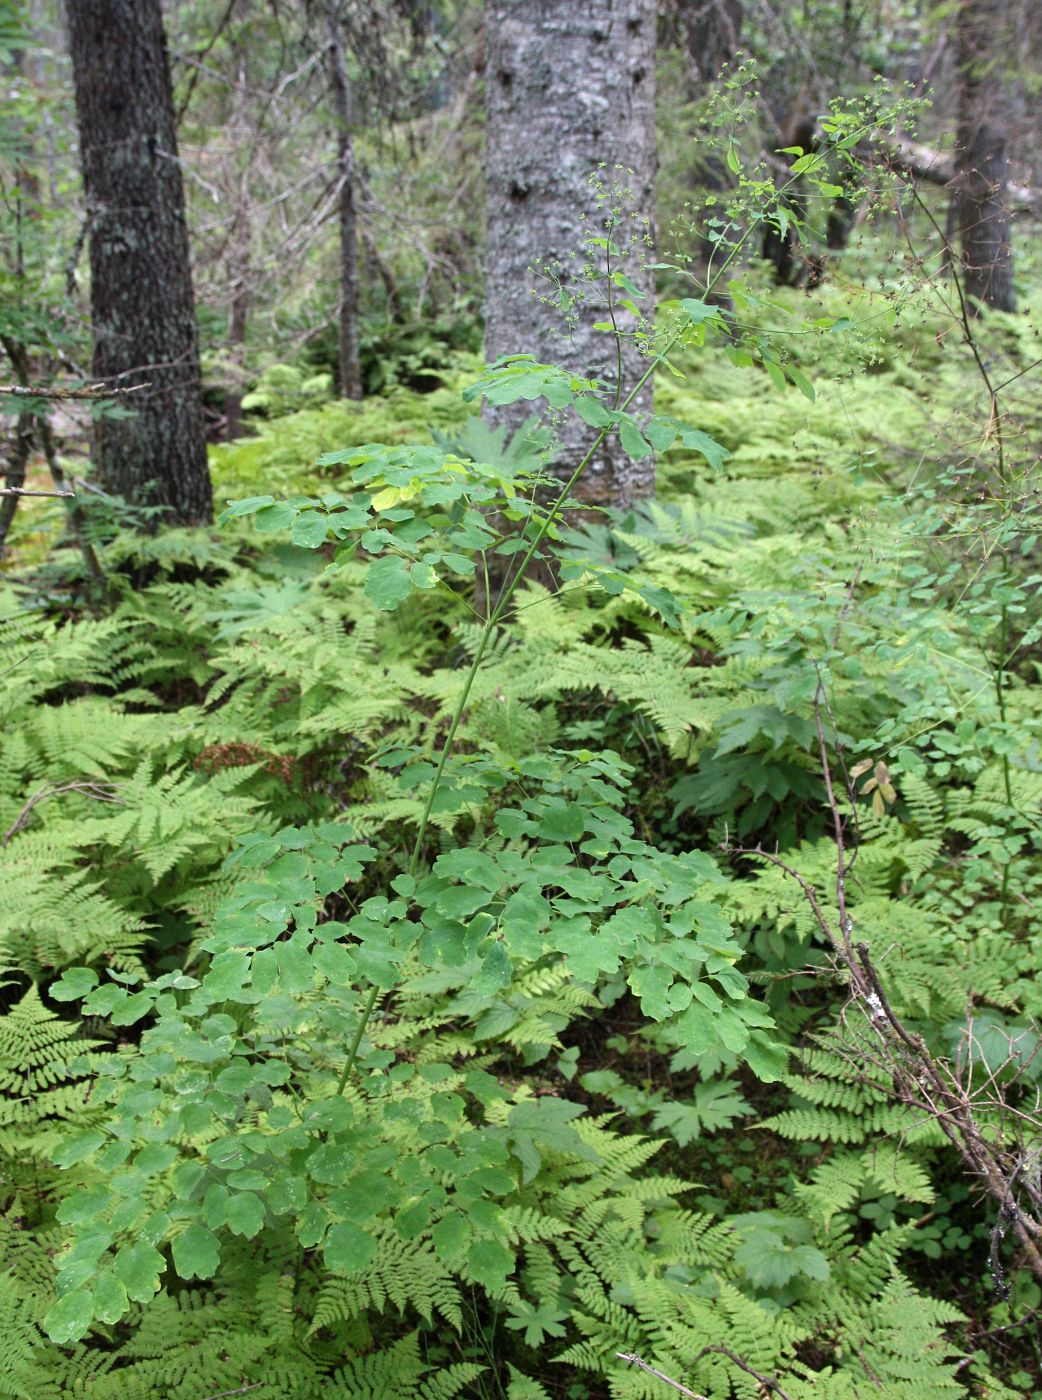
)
(24, 491)
(919, 1079)
(90, 391)
(768, 1381)
(103, 792)
(635, 1360)
(220, 1394)
(938, 168)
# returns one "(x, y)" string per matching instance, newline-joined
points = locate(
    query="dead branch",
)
(90, 391)
(938, 168)
(24, 491)
(767, 1381)
(920, 1080)
(635, 1360)
(102, 792)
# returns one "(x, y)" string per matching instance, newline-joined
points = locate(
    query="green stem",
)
(352, 1054)
(457, 718)
(1000, 696)
(496, 615)
(446, 748)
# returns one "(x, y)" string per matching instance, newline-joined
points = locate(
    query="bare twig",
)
(221, 1394)
(919, 1079)
(24, 491)
(38, 426)
(91, 391)
(101, 791)
(767, 1381)
(635, 1360)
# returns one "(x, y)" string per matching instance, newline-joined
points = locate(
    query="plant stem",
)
(457, 717)
(497, 613)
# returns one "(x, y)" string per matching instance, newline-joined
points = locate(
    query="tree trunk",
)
(982, 158)
(239, 257)
(708, 34)
(238, 316)
(570, 90)
(142, 308)
(350, 368)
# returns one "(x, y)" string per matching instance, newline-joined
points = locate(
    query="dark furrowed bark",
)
(982, 158)
(142, 307)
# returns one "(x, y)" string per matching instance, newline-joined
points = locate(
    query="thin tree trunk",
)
(238, 316)
(570, 93)
(14, 473)
(240, 242)
(982, 157)
(708, 34)
(37, 425)
(142, 306)
(350, 368)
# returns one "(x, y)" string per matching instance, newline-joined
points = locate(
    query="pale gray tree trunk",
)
(570, 92)
(982, 156)
(350, 368)
(142, 307)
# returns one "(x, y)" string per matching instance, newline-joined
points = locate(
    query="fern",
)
(44, 1064)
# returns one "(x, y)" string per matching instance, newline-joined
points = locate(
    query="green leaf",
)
(496, 971)
(309, 529)
(450, 1235)
(77, 1149)
(633, 442)
(811, 161)
(138, 1267)
(546, 1123)
(802, 383)
(699, 311)
(275, 517)
(287, 1193)
(564, 823)
(592, 411)
(335, 963)
(767, 1060)
(196, 1253)
(132, 1008)
(110, 1298)
(709, 448)
(541, 1322)
(74, 983)
(457, 902)
(661, 433)
(774, 373)
(490, 1263)
(227, 976)
(249, 506)
(388, 582)
(348, 1249)
(69, 1319)
(245, 1214)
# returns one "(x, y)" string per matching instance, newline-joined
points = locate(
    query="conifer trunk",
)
(570, 92)
(142, 307)
(982, 155)
(350, 367)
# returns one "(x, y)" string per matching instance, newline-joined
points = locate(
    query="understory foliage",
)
(364, 1040)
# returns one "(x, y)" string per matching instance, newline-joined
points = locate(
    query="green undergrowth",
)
(569, 1153)
(280, 454)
